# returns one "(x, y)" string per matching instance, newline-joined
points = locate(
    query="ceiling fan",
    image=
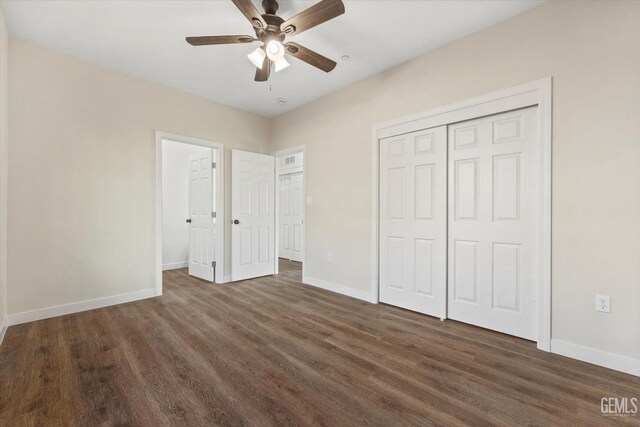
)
(271, 30)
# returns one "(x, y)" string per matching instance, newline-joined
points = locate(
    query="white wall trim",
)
(4, 177)
(614, 361)
(175, 265)
(76, 307)
(3, 330)
(526, 95)
(276, 155)
(289, 171)
(220, 205)
(340, 289)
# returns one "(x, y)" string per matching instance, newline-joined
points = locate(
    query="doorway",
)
(189, 207)
(290, 199)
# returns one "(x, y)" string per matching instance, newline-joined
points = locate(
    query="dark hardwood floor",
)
(272, 351)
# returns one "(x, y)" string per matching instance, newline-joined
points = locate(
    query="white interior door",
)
(253, 216)
(201, 227)
(291, 217)
(493, 171)
(413, 221)
(284, 213)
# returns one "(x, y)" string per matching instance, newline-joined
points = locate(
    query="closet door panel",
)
(492, 222)
(413, 221)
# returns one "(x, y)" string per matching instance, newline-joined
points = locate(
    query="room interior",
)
(516, 302)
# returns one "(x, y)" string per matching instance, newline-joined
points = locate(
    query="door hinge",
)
(213, 165)
(213, 214)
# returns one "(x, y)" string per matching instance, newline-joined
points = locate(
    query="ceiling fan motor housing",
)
(273, 21)
(270, 6)
(273, 31)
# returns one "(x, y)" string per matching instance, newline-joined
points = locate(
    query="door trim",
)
(277, 154)
(526, 95)
(219, 202)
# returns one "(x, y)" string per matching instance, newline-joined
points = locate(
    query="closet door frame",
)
(537, 93)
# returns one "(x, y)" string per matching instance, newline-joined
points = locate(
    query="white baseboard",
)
(339, 289)
(613, 361)
(76, 307)
(174, 265)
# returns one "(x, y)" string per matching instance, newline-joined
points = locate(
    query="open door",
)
(201, 226)
(252, 215)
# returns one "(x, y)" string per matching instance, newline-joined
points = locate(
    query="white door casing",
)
(201, 227)
(291, 216)
(253, 208)
(493, 222)
(413, 221)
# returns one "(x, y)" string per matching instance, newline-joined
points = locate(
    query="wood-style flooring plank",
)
(273, 352)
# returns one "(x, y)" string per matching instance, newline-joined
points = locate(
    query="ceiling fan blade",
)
(262, 74)
(315, 15)
(310, 57)
(251, 13)
(207, 40)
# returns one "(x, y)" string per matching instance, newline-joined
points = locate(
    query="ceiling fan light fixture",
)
(271, 31)
(257, 57)
(281, 64)
(275, 50)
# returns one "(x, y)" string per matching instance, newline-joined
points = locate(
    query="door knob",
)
(189, 220)
(236, 222)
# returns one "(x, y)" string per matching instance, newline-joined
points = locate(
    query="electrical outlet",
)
(329, 257)
(603, 303)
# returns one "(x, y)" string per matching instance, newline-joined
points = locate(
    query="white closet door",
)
(284, 242)
(253, 215)
(493, 171)
(413, 221)
(291, 218)
(201, 229)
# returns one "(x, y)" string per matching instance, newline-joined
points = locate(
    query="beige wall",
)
(591, 49)
(82, 174)
(4, 135)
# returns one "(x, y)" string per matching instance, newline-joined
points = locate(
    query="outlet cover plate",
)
(603, 303)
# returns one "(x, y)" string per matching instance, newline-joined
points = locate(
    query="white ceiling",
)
(146, 39)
